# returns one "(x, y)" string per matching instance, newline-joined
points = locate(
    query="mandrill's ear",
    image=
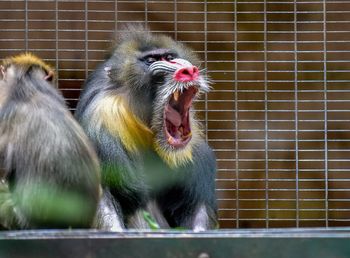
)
(108, 69)
(111, 73)
(49, 77)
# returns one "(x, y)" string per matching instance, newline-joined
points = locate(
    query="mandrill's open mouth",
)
(177, 118)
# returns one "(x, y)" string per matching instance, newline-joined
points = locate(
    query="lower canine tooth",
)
(176, 95)
(187, 136)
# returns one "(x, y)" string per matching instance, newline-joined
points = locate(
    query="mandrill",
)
(136, 109)
(49, 175)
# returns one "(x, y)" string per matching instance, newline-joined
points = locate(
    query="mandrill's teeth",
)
(171, 140)
(176, 95)
(187, 136)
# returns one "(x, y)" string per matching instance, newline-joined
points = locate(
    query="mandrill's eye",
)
(151, 59)
(169, 57)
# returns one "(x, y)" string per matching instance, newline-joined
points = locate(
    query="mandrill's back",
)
(51, 169)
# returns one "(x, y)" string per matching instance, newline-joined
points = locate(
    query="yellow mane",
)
(174, 158)
(118, 119)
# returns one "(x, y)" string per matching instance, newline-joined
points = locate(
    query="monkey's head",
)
(26, 63)
(21, 73)
(162, 78)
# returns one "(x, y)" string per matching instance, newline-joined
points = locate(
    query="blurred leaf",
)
(150, 220)
(7, 214)
(49, 204)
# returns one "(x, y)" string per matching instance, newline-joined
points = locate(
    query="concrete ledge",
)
(274, 243)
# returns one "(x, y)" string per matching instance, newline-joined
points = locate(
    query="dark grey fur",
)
(176, 197)
(50, 176)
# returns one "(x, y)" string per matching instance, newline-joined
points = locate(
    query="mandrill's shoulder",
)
(94, 89)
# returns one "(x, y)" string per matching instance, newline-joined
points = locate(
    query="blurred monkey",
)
(50, 172)
(136, 108)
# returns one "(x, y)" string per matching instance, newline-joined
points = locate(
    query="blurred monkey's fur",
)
(135, 107)
(50, 172)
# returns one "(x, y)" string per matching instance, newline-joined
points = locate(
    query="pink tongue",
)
(173, 116)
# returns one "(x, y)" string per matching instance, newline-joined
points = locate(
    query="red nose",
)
(186, 74)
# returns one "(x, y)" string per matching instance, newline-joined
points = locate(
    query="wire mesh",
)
(278, 116)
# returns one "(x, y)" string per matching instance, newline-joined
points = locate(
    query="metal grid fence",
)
(279, 115)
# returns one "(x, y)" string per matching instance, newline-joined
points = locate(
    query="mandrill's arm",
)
(125, 195)
(109, 214)
(191, 203)
(203, 190)
(205, 216)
